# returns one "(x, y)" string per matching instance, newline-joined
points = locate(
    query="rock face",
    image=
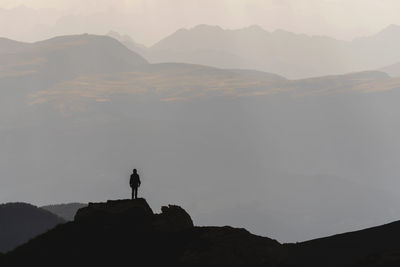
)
(173, 219)
(114, 208)
(127, 232)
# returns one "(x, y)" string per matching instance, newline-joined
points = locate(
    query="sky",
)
(148, 21)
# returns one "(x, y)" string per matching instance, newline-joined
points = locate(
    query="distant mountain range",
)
(122, 231)
(20, 222)
(291, 55)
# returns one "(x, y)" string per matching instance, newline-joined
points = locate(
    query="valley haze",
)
(277, 152)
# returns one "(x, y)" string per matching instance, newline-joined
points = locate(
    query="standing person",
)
(134, 183)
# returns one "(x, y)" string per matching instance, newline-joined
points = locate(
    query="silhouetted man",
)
(135, 183)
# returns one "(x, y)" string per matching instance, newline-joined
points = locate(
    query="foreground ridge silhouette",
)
(118, 232)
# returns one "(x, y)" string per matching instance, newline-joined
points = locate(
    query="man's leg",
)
(136, 189)
(133, 193)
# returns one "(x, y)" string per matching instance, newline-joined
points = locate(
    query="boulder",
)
(172, 218)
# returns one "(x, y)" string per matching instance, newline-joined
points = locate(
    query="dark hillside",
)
(20, 222)
(362, 247)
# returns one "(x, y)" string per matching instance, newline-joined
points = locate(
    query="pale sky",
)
(147, 21)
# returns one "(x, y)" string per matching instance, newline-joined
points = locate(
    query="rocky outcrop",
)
(171, 219)
(114, 209)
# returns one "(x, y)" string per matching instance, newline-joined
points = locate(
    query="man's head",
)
(134, 171)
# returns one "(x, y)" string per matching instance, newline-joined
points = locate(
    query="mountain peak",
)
(283, 32)
(255, 27)
(392, 27)
(69, 56)
(206, 27)
(391, 30)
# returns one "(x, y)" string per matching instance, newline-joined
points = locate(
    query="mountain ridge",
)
(288, 54)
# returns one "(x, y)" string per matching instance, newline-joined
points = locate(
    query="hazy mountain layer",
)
(65, 211)
(285, 53)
